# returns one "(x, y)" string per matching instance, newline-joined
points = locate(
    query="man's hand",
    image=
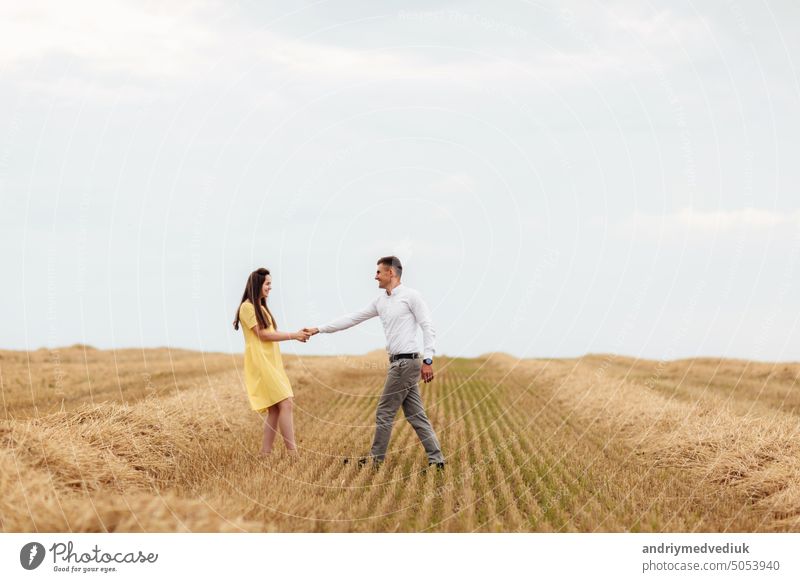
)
(427, 373)
(311, 330)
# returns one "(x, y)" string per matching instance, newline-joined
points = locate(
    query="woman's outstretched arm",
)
(280, 336)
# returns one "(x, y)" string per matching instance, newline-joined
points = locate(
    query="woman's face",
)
(266, 286)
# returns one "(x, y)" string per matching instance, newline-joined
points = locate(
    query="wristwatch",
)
(427, 361)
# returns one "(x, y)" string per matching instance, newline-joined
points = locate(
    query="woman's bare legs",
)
(270, 429)
(286, 423)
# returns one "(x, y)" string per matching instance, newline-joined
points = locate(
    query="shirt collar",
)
(399, 287)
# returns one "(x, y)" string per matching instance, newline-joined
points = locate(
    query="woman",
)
(268, 386)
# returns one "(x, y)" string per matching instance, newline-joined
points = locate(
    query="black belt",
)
(396, 357)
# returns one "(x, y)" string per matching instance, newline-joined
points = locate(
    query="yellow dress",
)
(264, 376)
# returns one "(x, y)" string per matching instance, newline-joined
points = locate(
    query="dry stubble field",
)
(164, 440)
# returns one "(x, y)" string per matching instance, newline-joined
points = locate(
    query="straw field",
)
(164, 440)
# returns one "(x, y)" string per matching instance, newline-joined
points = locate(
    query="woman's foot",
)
(265, 454)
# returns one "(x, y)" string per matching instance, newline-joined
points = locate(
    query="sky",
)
(558, 178)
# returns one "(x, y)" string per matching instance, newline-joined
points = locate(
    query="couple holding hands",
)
(401, 310)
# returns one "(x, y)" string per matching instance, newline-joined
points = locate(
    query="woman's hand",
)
(301, 336)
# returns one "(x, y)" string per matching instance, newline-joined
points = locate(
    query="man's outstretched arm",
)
(347, 321)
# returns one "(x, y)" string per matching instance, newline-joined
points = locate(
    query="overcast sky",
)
(558, 178)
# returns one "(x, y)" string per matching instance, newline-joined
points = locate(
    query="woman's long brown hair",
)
(252, 293)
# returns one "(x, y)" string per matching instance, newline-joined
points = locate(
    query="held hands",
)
(301, 336)
(305, 333)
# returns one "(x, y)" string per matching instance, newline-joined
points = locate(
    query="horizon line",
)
(443, 355)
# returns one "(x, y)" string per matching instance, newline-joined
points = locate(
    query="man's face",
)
(383, 276)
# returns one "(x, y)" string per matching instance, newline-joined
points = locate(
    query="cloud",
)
(455, 184)
(183, 40)
(324, 62)
(161, 39)
(692, 221)
(173, 39)
(662, 29)
(407, 249)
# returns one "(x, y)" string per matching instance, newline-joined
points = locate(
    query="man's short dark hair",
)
(394, 263)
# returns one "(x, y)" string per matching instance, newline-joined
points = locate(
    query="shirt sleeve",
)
(423, 316)
(247, 314)
(347, 321)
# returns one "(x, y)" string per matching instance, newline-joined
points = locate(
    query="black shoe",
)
(439, 468)
(363, 461)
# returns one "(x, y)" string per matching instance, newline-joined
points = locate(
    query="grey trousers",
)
(402, 389)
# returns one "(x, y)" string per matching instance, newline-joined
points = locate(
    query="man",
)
(401, 310)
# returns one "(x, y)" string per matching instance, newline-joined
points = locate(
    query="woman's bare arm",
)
(279, 336)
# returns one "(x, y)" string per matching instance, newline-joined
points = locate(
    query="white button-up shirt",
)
(400, 314)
